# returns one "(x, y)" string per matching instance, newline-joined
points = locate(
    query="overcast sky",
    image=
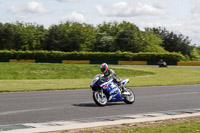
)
(180, 16)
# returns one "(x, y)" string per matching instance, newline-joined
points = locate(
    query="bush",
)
(94, 56)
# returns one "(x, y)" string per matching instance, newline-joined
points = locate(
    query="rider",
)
(109, 73)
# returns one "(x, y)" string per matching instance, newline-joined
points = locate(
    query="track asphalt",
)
(31, 109)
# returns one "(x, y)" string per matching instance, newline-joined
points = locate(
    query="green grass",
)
(57, 71)
(166, 76)
(46, 76)
(185, 127)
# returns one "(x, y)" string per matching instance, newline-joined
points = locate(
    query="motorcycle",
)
(105, 90)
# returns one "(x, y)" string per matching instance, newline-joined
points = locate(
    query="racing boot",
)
(124, 92)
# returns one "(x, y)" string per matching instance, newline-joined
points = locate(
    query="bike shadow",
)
(95, 105)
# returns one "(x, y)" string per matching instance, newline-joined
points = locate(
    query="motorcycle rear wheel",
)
(131, 98)
(100, 98)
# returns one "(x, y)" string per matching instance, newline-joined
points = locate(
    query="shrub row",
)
(94, 56)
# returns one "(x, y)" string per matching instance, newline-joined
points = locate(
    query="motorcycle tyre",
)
(96, 101)
(126, 100)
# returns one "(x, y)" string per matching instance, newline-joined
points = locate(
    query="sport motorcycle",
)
(106, 90)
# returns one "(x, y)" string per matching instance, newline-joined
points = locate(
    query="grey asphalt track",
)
(66, 105)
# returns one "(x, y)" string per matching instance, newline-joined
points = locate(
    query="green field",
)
(22, 71)
(46, 76)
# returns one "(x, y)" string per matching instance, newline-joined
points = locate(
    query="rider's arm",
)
(114, 75)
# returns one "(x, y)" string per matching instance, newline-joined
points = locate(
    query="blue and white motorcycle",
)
(105, 90)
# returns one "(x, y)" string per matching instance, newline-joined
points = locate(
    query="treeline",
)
(106, 37)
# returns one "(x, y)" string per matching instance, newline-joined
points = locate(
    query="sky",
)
(179, 16)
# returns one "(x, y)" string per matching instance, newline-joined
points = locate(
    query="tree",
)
(106, 37)
(8, 36)
(111, 29)
(31, 36)
(151, 42)
(130, 38)
(104, 42)
(53, 38)
(71, 37)
(127, 39)
(173, 42)
(195, 53)
(88, 32)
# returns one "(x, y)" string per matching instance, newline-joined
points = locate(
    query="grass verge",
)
(181, 125)
(36, 76)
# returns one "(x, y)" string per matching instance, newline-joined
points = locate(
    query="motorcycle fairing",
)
(125, 81)
(113, 90)
(109, 86)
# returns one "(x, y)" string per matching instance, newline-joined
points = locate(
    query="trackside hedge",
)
(93, 56)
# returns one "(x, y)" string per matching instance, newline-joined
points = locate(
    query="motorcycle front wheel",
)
(100, 98)
(130, 98)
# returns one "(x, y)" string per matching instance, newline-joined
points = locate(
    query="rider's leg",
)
(121, 86)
